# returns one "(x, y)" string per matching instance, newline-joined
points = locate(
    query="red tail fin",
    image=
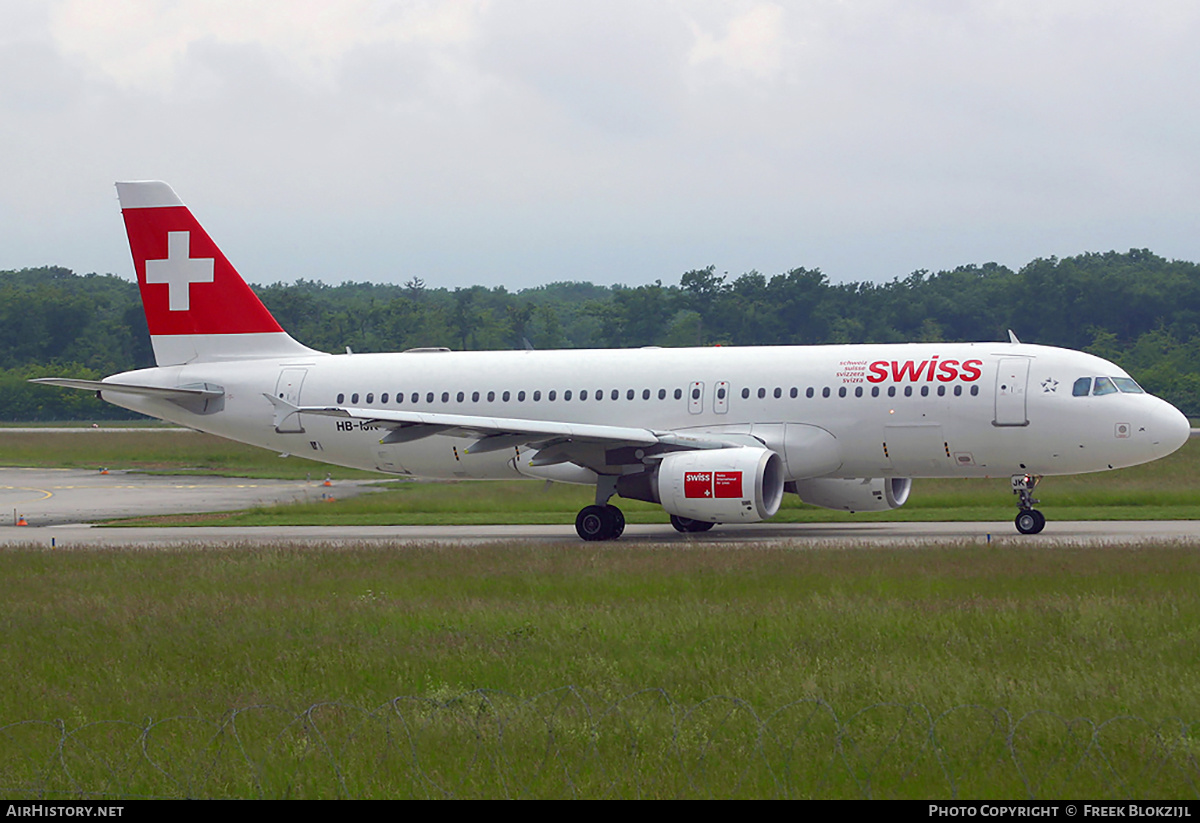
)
(197, 306)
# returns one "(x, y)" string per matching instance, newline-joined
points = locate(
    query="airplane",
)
(714, 435)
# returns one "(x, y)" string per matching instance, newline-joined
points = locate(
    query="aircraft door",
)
(287, 388)
(1012, 379)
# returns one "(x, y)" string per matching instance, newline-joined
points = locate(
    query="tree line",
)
(1135, 308)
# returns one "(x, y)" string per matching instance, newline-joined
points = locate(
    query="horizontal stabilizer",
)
(203, 392)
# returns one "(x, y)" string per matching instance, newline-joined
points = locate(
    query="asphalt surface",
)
(58, 504)
(59, 497)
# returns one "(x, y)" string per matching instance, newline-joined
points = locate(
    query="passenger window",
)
(445, 397)
(874, 391)
(825, 392)
(795, 391)
(924, 391)
(370, 397)
(537, 395)
(662, 394)
(341, 399)
(1103, 386)
(908, 391)
(746, 393)
(460, 397)
(695, 394)
(841, 391)
(520, 397)
(354, 398)
(629, 394)
(762, 393)
(416, 397)
(809, 392)
(552, 396)
(974, 390)
(679, 394)
(891, 391)
(957, 391)
(616, 394)
(778, 392)
(491, 396)
(645, 394)
(384, 398)
(858, 391)
(474, 397)
(941, 391)
(506, 396)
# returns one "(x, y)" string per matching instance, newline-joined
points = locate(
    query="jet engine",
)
(738, 485)
(868, 494)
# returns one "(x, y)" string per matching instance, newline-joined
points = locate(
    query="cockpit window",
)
(1128, 386)
(1104, 385)
(1083, 387)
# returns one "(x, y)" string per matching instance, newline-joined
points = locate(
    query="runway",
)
(59, 503)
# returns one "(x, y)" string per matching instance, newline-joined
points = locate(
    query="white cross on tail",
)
(179, 270)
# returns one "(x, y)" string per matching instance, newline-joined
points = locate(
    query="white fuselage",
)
(912, 410)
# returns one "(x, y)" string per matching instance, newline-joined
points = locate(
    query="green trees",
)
(1135, 308)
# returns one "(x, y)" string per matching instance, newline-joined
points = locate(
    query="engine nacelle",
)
(868, 494)
(742, 485)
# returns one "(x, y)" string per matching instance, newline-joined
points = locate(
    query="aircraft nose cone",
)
(1171, 429)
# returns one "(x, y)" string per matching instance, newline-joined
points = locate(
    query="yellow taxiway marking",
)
(46, 495)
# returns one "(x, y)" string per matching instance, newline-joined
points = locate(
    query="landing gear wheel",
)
(600, 523)
(687, 525)
(1030, 521)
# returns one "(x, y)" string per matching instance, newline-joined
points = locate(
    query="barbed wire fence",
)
(569, 743)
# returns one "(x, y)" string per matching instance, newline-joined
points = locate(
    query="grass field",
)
(599, 671)
(922, 672)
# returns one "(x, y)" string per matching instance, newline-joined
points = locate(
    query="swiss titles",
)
(852, 371)
(924, 371)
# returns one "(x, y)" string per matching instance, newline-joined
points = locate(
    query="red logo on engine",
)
(712, 484)
(697, 484)
(727, 484)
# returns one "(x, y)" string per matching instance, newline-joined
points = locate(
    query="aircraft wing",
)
(586, 444)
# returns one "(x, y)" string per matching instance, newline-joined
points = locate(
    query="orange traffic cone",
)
(21, 521)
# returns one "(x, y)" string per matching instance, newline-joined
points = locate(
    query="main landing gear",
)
(600, 523)
(1029, 520)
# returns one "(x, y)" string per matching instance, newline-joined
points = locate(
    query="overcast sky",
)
(520, 142)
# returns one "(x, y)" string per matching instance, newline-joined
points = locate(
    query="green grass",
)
(919, 672)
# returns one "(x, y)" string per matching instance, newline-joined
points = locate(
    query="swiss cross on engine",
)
(179, 270)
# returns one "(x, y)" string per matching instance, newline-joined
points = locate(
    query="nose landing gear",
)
(1029, 520)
